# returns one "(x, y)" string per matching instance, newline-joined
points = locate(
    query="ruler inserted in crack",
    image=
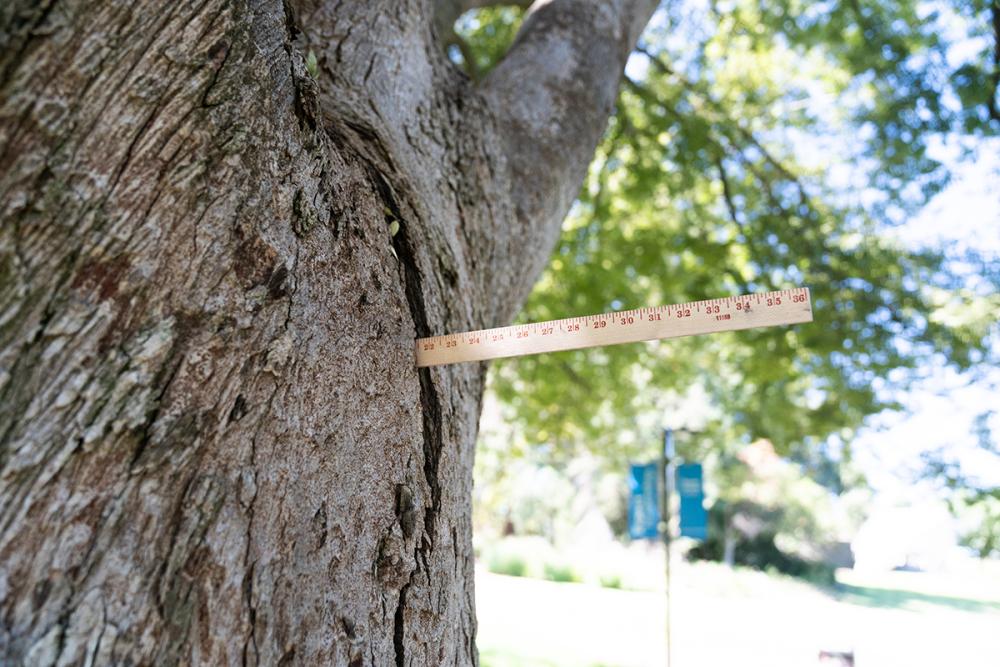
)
(766, 309)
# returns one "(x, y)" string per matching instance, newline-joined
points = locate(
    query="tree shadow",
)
(909, 600)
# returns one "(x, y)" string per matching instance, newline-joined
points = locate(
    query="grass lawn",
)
(743, 618)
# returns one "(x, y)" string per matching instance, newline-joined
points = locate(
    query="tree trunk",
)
(214, 445)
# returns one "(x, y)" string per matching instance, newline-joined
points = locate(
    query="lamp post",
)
(666, 466)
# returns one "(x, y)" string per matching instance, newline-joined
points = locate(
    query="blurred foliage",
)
(522, 498)
(755, 549)
(765, 514)
(512, 565)
(757, 145)
(483, 37)
(562, 573)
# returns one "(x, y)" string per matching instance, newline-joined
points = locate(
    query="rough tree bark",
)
(214, 445)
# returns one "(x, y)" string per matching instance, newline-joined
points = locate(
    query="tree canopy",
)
(756, 145)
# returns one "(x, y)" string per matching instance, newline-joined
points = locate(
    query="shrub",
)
(510, 564)
(561, 573)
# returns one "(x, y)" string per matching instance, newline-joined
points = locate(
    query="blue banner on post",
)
(643, 501)
(690, 487)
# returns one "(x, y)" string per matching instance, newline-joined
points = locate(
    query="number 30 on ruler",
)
(687, 319)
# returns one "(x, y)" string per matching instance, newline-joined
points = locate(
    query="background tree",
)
(764, 145)
(223, 225)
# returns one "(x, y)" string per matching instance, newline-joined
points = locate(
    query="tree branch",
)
(716, 111)
(991, 103)
(718, 108)
(551, 97)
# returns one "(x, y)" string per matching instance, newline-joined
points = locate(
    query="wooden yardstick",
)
(766, 309)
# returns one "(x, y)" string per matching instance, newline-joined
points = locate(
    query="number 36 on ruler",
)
(687, 319)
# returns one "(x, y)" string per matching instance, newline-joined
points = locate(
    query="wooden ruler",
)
(627, 326)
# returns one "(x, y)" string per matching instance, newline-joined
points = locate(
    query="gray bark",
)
(214, 445)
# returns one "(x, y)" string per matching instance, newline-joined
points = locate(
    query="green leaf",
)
(312, 65)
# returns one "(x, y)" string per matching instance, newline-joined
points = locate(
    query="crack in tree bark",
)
(430, 415)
